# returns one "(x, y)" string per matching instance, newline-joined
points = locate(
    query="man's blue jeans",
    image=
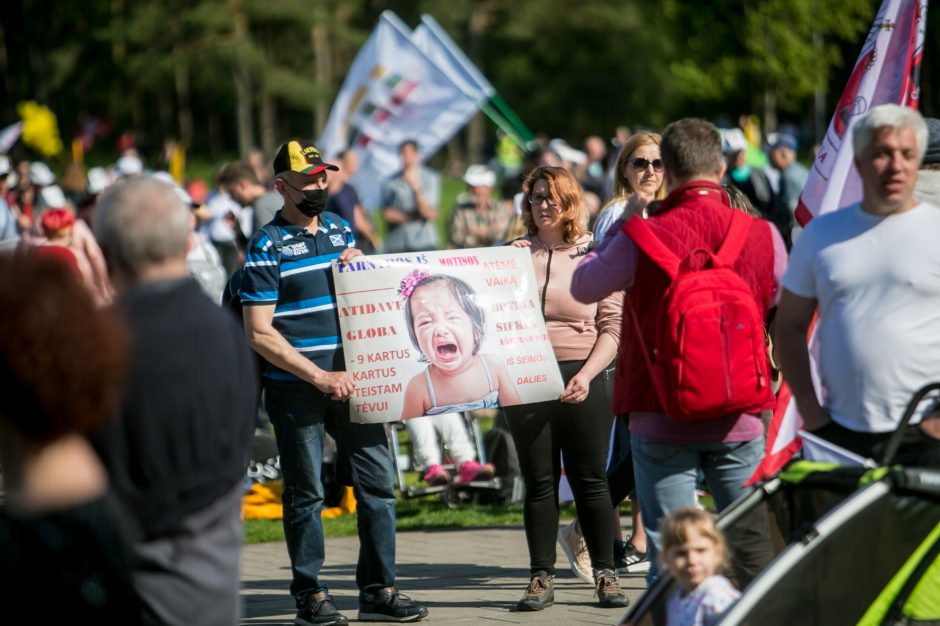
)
(666, 476)
(301, 414)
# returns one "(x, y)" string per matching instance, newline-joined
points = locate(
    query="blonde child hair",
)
(674, 531)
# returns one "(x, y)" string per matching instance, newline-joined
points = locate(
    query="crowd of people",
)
(130, 396)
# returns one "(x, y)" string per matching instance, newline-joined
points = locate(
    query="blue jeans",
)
(666, 476)
(301, 415)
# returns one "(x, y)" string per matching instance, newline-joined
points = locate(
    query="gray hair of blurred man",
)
(691, 148)
(141, 223)
(889, 116)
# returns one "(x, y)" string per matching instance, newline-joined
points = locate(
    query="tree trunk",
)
(241, 75)
(323, 69)
(770, 111)
(268, 123)
(184, 111)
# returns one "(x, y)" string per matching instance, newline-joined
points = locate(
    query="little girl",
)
(446, 325)
(693, 553)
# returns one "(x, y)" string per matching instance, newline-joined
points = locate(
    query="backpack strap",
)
(730, 248)
(274, 234)
(328, 222)
(649, 243)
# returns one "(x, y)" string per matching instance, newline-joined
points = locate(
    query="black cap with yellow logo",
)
(301, 156)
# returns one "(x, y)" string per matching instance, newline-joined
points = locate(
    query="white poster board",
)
(435, 332)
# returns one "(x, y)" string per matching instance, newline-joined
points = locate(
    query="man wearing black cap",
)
(289, 305)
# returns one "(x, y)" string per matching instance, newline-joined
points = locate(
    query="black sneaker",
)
(629, 560)
(320, 611)
(607, 589)
(539, 594)
(388, 605)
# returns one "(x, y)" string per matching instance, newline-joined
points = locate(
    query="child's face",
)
(693, 561)
(443, 328)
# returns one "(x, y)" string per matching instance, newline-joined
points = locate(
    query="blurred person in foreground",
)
(178, 454)
(871, 270)
(577, 425)
(62, 363)
(307, 392)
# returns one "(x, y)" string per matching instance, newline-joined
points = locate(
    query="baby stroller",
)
(862, 546)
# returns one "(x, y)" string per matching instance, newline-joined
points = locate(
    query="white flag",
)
(9, 136)
(391, 94)
(441, 49)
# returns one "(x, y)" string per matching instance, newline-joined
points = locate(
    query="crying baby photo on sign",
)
(442, 332)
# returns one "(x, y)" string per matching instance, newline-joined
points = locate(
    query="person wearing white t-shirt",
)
(873, 271)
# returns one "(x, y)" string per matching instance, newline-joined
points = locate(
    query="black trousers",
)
(579, 432)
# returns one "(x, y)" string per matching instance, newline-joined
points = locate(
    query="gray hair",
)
(141, 223)
(890, 116)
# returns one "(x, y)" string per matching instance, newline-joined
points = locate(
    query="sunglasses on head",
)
(641, 164)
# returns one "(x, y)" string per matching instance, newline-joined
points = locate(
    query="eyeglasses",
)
(538, 200)
(641, 164)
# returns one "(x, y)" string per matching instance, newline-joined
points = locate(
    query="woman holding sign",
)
(576, 425)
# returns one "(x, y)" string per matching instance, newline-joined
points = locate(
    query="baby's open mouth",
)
(446, 350)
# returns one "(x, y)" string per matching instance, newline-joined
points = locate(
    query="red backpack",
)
(709, 357)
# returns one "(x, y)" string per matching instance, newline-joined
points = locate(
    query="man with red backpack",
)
(693, 372)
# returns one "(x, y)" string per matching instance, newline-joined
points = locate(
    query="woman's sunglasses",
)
(641, 164)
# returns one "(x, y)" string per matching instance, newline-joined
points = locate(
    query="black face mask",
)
(313, 202)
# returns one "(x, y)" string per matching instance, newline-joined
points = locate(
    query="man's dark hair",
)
(233, 172)
(408, 142)
(691, 147)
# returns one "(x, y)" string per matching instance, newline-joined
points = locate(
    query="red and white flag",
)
(887, 71)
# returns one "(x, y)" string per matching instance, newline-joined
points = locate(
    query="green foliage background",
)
(228, 74)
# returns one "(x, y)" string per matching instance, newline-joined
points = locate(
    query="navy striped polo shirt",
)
(300, 285)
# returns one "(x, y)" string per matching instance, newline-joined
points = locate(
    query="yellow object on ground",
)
(264, 502)
(346, 505)
(261, 503)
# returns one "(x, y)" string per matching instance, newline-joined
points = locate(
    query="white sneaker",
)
(572, 542)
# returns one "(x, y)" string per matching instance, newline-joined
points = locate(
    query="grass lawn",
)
(416, 514)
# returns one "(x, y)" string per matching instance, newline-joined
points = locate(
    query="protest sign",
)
(437, 332)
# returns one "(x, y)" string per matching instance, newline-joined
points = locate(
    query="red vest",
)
(695, 215)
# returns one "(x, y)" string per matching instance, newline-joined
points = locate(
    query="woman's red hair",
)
(55, 221)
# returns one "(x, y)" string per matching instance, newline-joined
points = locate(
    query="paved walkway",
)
(466, 576)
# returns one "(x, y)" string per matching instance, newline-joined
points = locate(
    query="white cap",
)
(52, 197)
(128, 166)
(98, 180)
(566, 152)
(4, 165)
(733, 140)
(40, 174)
(479, 176)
